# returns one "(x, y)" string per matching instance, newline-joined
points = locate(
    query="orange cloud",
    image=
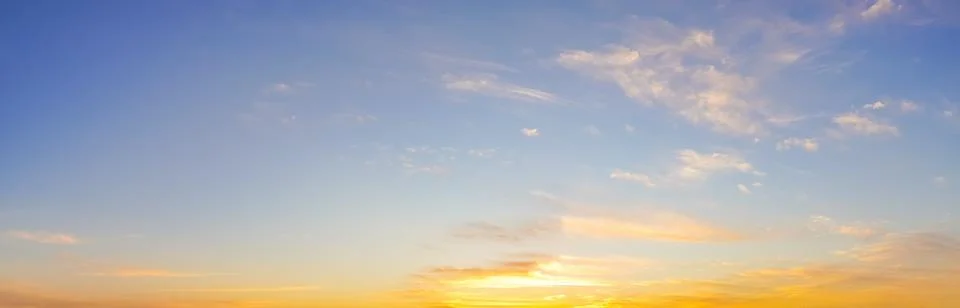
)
(636, 222)
(492, 232)
(44, 237)
(657, 226)
(884, 274)
(248, 290)
(155, 273)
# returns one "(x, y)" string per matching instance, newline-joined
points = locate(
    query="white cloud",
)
(948, 113)
(808, 144)
(434, 58)
(940, 180)
(743, 189)
(757, 184)
(820, 223)
(909, 106)
(880, 8)
(44, 237)
(482, 153)
(286, 87)
(530, 132)
(632, 177)
(857, 124)
(592, 130)
(489, 84)
(875, 105)
(629, 128)
(679, 69)
(691, 167)
(699, 166)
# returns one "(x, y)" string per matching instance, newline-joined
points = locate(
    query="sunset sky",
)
(466, 154)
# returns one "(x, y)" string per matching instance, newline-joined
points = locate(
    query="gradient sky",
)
(479, 154)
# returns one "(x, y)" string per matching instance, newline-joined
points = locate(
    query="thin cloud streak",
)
(43, 237)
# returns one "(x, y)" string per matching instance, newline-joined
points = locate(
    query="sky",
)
(463, 154)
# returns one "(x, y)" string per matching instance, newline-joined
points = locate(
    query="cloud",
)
(355, 118)
(279, 88)
(44, 237)
(691, 166)
(853, 123)
(679, 69)
(633, 222)
(286, 88)
(248, 290)
(488, 84)
(743, 189)
(16, 298)
(880, 8)
(629, 128)
(152, 273)
(497, 233)
(530, 132)
(939, 180)
(645, 225)
(699, 166)
(523, 274)
(807, 144)
(858, 230)
(909, 106)
(482, 153)
(592, 130)
(269, 113)
(757, 184)
(428, 169)
(448, 61)
(920, 248)
(875, 105)
(632, 177)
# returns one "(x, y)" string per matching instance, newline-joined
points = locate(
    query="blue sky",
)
(308, 149)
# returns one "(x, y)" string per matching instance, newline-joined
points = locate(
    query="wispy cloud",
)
(645, 225)
(248, 290)
(920, 248)
(857, 124)
(909, 106)
(632, 177)
(699, 166)
(743, 189)
(629, 128)
(44, 237)
(656, 71)
(692, 166)
(822, 223)
(637, 222)
(880, 8)
(498, 233)
(448, 61)
(807, 144)
(592, 130)
(152, 273)
(355, 118)
(491, 85)
(286, 87)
